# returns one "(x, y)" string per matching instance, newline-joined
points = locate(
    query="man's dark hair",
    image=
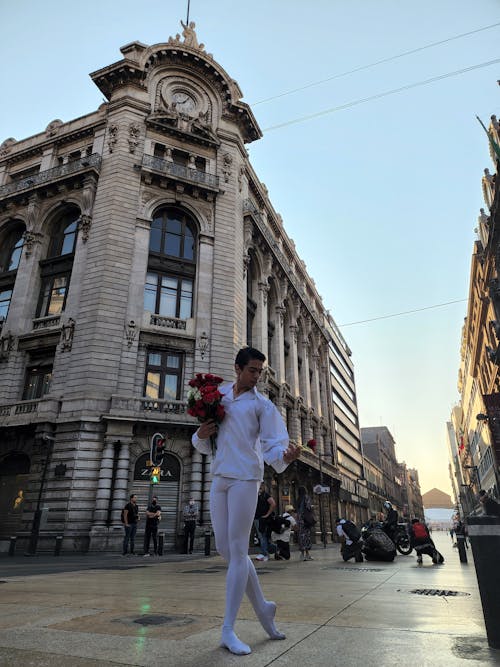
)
(132, 495)
(247, 354)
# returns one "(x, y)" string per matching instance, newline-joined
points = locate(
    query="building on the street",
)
(476, 425)
(387, 478)
(137, 248)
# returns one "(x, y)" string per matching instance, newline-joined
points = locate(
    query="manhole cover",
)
(437, 591)
(352, 569)
(163, 620)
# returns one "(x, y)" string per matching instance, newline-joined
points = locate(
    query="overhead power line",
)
(374, 64)
(408, 86)
(405, 312)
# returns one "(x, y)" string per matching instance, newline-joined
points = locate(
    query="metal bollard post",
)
(208, 534)
(57, 548)
(12, 545)
(161, 538)
(461, 548)
(484, 535)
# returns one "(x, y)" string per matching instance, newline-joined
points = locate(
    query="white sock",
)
(233, 644)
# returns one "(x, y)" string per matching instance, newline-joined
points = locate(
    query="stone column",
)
(279, 335)
(196, 475)
(121, 484)
(306, 385)
(204, 301)
(294, 362)
(262, 340)
(295, 432)
(103, 494)
(316, 402)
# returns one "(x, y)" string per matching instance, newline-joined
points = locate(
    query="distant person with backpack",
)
(282, 527)
(421, 541)
(352, 543)
(130, 518)
(305, 521)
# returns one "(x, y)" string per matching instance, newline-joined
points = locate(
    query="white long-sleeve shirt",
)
(253, 431)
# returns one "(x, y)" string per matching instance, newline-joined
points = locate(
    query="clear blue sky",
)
(390, 189)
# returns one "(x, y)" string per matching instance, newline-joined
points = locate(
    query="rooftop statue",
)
(189, 35)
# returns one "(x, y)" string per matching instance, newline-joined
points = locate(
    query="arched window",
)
(172, 265)
(172, 234)
(56, 269)
(64, 237)
(11, 248)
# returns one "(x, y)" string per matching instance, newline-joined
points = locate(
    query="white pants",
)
(232, 509)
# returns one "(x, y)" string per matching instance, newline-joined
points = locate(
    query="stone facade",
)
(138, 247)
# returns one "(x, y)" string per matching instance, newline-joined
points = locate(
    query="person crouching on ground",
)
(253, 431)
(282, 538)
(350, 536)
(422, 542)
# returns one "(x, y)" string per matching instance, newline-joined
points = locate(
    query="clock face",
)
(183, 102)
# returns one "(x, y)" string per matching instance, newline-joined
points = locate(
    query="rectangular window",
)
(53, 295)
(170, 296)
(163, 375)
(5, 297)
(37, 384)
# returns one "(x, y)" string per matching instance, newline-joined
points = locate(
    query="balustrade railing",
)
(180, 171)
(167, 322)
(53, 174)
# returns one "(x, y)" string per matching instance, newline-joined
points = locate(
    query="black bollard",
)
(57, 548)
(484, 535)
(12, 545)
(461, 548)
(160, 544)
(208, 533)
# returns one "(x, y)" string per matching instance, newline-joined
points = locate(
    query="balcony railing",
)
(53, 174)
(179, 171)
(46, 322)
(167, 322)
(162, 405)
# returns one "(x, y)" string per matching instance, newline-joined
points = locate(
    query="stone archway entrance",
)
(168, 496)
(14, 475)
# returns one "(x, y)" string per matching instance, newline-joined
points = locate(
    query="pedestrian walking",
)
(252, 432)
(305, 521)
(282, 529)
(153, 516)
(130, 516)
(263, 513)
(191, 515)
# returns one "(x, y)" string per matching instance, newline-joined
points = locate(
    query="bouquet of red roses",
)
(204, 400)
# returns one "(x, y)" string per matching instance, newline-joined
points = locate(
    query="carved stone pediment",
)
(184, 127)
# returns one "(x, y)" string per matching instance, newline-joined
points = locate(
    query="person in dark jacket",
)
(422, 542)
(390, 523)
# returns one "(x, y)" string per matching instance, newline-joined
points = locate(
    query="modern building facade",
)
(137, 248)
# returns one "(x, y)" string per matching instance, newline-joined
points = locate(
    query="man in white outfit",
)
(252, 432)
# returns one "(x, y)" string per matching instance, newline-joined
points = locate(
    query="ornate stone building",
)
(476, 422)
(138, 247)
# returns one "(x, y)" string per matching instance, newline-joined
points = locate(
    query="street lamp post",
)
(37, 517)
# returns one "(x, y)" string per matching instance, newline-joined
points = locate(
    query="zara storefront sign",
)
(170, 469)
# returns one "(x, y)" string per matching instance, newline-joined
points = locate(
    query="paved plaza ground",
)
(92, 610)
